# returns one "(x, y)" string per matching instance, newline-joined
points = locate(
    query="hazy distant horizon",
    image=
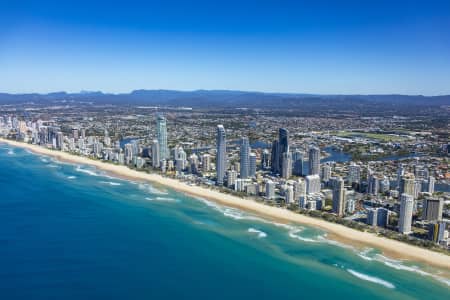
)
(214, 90)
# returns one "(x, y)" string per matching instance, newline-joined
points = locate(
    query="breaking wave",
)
(371, 279)
(111, 183)
(261, 234)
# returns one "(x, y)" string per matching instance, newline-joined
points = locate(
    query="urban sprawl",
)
(372, 174)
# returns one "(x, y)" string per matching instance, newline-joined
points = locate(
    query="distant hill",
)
(228, 99)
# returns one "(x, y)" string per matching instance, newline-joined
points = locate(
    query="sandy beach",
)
(339, 232)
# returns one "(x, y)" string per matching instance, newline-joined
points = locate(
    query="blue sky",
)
(328, 47)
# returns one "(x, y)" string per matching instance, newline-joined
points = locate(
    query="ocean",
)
(73, 232)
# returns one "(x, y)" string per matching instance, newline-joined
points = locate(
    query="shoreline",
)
(391, 248)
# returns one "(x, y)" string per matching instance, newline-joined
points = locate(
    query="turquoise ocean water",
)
(72, 232)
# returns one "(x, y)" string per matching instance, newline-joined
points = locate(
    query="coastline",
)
(338, 232)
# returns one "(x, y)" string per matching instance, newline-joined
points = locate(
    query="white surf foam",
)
(111, 183)
(150, 189)
(161, 199)
(398, 265)
(71, 177)
(371, 279)
(86, 171)
(261, 234)
(10, 152)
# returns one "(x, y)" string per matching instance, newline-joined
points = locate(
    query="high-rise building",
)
(278, 148)
(430, 184)
(265, 159)
(193, 163)
(354, 173)
(252, 169)
(289, 195)
(325, 173)
(378, 216)
(406, 211)
(297, 162)
(407, 184)
(400, 173)
(244, 158)
(437, 232)
(274, 161)
(221, 158)
(231, 178)
(270, 190)
(206, 162)
(338, 196)
(314, 160)
(432, 209)
(382, 217)
(312, 184)
(372, 216)
(299, 189)
(374, 185)
(161, 133)
(286, 170)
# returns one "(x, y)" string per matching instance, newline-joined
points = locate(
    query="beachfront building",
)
(161, 132)
(312, 184)
(432, 209)
(338, 196)
(221, 158)
(245, 158)
(314, 160)
(406, 211)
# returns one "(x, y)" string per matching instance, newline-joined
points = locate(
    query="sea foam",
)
(261, 234)
(371, 279)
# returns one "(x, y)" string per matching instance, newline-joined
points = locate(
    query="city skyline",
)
(298, 47)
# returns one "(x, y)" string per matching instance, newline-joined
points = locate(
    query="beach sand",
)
(338, 232)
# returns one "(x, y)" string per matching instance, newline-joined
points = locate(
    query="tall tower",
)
(161, 132)
(314, 161)
(286, 165)
(245, 158)
(407, 183)
(252, 168)
(406, 211)
(156, 158)
(283, 147)
(338, 196)
(221, 154)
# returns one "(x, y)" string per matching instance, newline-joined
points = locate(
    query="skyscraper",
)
(432, 209)
(406, 211)
(407, 185)
(314, 161)
(326, 172)
(252, 169)
(400, 173)
(338, 196)
(354, 173)
(274, 161)
(286, 165)
(283, 147)
(161, 132)
(297, 161)
(430, 184)
(312, 184)
(221, 154)
(244, 158)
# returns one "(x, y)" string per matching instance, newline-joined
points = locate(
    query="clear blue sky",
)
(314, 46)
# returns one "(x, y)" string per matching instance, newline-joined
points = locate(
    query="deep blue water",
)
(70, 232)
